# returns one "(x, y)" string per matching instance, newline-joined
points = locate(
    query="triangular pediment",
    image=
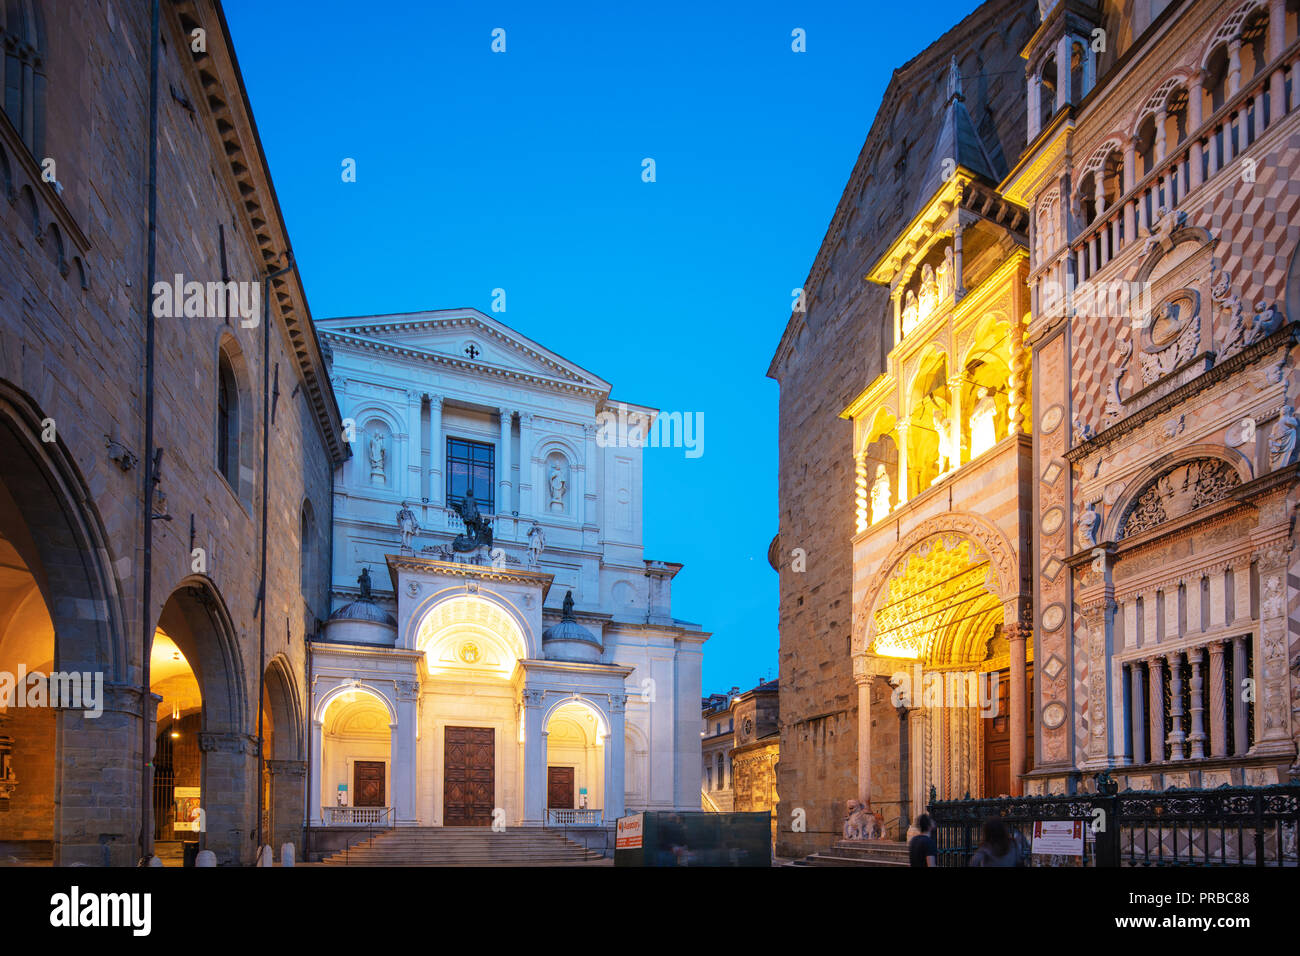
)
(468, 338)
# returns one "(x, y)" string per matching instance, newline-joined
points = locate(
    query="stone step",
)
(465, 846)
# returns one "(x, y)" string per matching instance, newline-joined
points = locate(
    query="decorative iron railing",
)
(1229, 826)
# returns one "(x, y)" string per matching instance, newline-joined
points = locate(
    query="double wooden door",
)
(469, 776)
(997, 736)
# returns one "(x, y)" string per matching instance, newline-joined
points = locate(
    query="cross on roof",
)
(471, 351)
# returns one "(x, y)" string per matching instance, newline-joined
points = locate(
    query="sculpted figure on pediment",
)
(1185, 488)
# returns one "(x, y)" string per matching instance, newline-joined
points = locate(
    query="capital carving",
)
(227, 743)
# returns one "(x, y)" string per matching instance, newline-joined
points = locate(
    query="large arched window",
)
(22, 49)
(227, 422)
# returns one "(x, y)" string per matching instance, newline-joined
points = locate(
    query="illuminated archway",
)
(576, 731)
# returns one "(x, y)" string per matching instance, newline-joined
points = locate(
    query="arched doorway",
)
(283, 767)
(69, 775)
(195, 648)
(575, 759)
(177, 760)
(356, 756)
(943, 657)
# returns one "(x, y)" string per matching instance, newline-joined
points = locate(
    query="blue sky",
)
(523, 171)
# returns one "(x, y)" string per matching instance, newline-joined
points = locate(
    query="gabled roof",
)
(465, 338)
(958, 144)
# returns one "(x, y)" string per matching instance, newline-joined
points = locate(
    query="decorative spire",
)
(954, 82)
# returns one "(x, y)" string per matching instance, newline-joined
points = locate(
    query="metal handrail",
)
(386, 817)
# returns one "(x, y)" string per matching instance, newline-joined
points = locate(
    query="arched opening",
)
(1176, 117)
(1146, 145)
(929, 448)
(1047, 92)
(356, 757)
(575, 758)
(1078, 57)
(283, 767)
(1254, 44)
(1215, 86)
(23, 57)
(985, 394)
(940, 615)
(177, 759)
(227, 422)
(66, 738)
(199, 679)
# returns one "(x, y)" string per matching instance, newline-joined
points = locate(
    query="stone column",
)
(958, 270)
(288, 780)
(1162, 137)
(316, 776)
(896, 296)
(864, 737)
(1063, 71)
(1272, 694)
(1276, 44)
(862, 507)
(402, 756)
(1156, 688)
(955, 414)
(1034, 113)
(411, 486)
(589, 475)
(526, 465)
(1177, 737)
(229, 802)
(534, 760)
(615, 776)
(1240, 712)
(1218, 702)
(1197, 738)
(437, 454)
(1138, 720)
(1234, 66)
(503, 465)
(901, 429)
(1016, 642)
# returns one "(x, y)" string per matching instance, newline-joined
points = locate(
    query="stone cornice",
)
(465, 364)
(470, 572)
(232, 134)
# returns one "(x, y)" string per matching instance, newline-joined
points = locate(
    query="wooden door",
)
(469, 767)
(559, 788)
(368, 783)
(997, 736)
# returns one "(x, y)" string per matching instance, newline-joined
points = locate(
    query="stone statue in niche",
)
(558, 486)
(407, 526)
(1282, 443)
(378, 456)
(943, 276)
(1087, 527)
(363, 583)
(909, 318)
(943, 428)
(928, 297)
(880, 495)
(536, 544)
(983, 425)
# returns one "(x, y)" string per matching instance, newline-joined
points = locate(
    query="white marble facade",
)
(574, 719)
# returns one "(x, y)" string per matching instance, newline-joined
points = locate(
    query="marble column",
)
(1063, 71)
(437, 456)
(317, 775)
(1218, 702)
(958, 269)
(1177, 736)
(1240, 710)
(1162, 137)
(615, 776)
(504, 464)
(590, 452)
(1138, 721)
(1234, 66)
(526, 464)
(534, 760)
(901, 430)
(1276, 44)
(1156, 689)
(404, 769)
(410, 487)
(1197, 739)
(864, 737)
(1016, 642)
(955, 414)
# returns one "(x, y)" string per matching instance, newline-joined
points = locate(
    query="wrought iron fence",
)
(1228, 826)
